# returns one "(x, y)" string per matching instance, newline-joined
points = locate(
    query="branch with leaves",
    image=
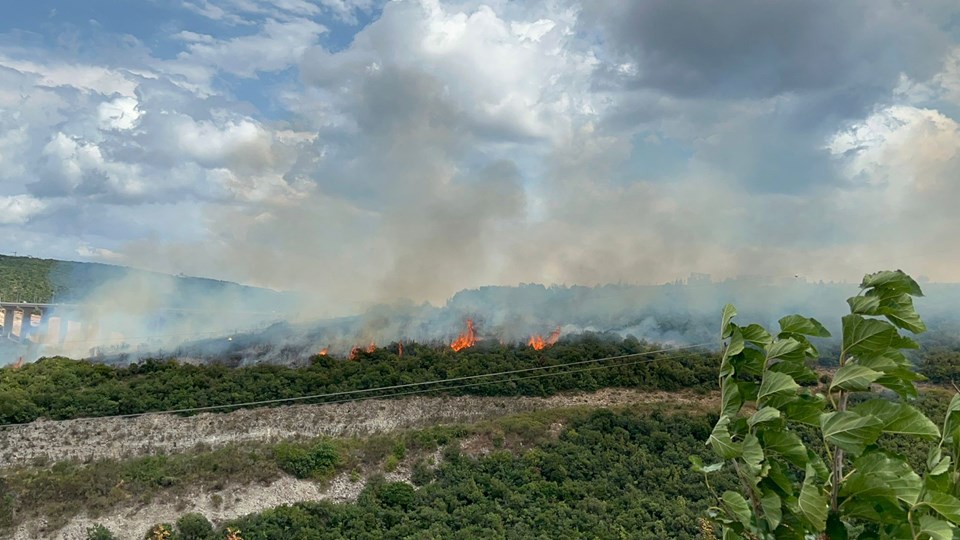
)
(853, 487)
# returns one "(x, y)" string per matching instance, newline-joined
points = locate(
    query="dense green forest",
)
(49, 280)
(60, 388)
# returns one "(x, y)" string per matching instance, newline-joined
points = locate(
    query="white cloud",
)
(121, 113)
(18, 209)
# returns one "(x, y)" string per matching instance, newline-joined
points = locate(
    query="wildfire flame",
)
(538, 343)
(466, 339)
(19, 364)
(324, 351)
(400, 349)
(372, 347)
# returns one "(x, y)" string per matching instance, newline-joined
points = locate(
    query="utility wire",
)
(410, 385)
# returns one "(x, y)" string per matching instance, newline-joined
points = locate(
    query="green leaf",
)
(946, 505)
(771, 506)
(729, 312)
(805, 409)
(757, 335)
(749, 362)
(866, 336)
(893, 280)
(765, 414)
(878, 475)
(774, 382)
(854, 377)
(812, 502)
(836, 530)
(785, 349)
(736, 506)
(752, 454)
(699, 467)
(849, 430)
(721, 441)
(796, 324)
(935, 529)
(941, 467)
(864, 305)
(904, 316)
(786, 444)
(734, 348)
(899, 418)
(730, 398)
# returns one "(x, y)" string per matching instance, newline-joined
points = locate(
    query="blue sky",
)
(365, 150)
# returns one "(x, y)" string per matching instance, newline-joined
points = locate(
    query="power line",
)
(410, 385)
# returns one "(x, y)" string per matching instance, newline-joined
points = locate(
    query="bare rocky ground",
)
(120, 438)
(89, 439)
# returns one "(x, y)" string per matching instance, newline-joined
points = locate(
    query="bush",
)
(396, 495)
(194, 527)
(99, 532)
(315, 462)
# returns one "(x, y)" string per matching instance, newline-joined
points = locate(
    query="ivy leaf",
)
(936, 529)
(774, 382)
(721, 441)
(849, 430)
(729, 312)
(786, 444)
(854, 377)
(893, 280)
(812, 502)
(771, 506)
(797, 324)
(736, 506)
(946, 505)
(899, 418)
(765, 414)
(866, 336)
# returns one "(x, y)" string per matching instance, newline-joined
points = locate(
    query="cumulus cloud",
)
(443, 145)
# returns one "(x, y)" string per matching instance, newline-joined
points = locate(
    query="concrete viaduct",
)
(23, 319)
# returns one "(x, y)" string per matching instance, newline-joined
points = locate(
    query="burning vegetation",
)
(538, 343)
(466, 339)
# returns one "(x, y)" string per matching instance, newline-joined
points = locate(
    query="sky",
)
(363, 151)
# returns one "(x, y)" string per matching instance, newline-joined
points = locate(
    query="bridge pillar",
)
(25, 328)
(8, 314)
(62, 329)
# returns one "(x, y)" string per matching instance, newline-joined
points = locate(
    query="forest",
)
(60, 388)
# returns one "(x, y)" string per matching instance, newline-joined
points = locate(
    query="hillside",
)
(49, 280)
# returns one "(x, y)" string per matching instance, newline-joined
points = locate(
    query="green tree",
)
(812, 461)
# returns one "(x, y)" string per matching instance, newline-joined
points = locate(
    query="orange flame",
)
(466, 339)
(324, 351)
(372, 347)
(538, 343)
(400, 349)
(19, 364)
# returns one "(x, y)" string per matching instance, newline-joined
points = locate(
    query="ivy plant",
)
(809, 455)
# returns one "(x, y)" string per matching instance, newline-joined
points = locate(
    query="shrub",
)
(99, 532)
(315, 462)
(194, 527)
(396, 494)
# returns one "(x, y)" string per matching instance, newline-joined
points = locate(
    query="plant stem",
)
(837, 475)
